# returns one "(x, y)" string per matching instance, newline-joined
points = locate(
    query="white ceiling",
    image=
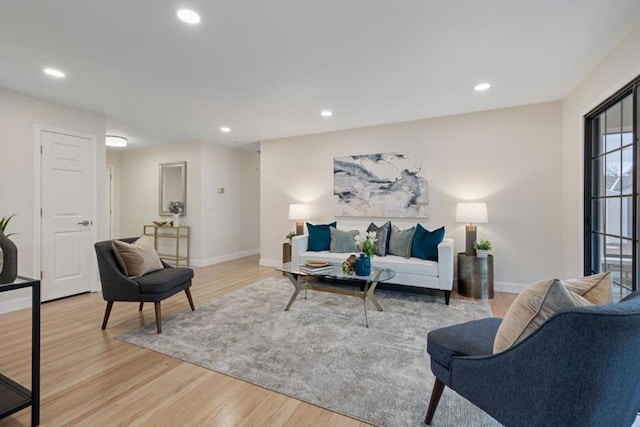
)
(267, 68)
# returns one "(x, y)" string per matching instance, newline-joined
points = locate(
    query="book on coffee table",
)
(316, 267)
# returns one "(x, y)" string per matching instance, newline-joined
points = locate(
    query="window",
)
(611, 190)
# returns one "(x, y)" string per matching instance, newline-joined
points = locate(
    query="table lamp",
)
(471, 213)
(298, 213)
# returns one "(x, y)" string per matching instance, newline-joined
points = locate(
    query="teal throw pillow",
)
(382, 237)
(343, 241)
(319, 237)
(400, 241)
(425, 243)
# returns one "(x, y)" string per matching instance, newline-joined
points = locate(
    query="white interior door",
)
(66, 201)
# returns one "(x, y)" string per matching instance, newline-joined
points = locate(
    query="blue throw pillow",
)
(425, 243)
(319, 237)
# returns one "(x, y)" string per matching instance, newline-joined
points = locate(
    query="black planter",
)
(9, 270)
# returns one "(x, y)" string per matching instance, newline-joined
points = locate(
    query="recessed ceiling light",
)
(326, 113)
(115, 141)
(225, 129)
(188, 16)
(54, 73)
(482, 86)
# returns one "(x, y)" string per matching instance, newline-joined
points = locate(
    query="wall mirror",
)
(173, 186)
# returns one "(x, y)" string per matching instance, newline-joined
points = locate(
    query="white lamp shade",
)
(471, 213)
(299, 211)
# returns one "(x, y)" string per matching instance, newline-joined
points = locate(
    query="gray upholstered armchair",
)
(580, 368)
(151, 287)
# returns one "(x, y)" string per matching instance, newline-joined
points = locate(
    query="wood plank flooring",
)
(91, 379)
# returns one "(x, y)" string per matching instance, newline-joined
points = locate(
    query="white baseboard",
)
(15, 304)
(223, 258)
(276, 263)
(512, 288)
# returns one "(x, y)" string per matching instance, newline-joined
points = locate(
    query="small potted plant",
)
(482, 248)
(290, 236)
(176, 209)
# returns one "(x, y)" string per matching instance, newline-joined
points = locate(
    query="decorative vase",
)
(480, 253)
(176, 220)
(363, 265)
(9, 270)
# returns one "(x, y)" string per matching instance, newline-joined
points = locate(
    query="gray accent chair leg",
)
(107, 312)
(438, 388)
(158, 317)
(188, 292)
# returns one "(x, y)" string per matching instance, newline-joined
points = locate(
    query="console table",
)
(174, 234)
(13, 396)
(475, 276)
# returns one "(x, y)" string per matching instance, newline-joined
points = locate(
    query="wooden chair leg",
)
(447, 297)
(438, 387)
(158, 317)
(188, 292)
(141, 304)
(107, 312)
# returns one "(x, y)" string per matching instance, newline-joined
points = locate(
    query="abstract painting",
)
(390, 185)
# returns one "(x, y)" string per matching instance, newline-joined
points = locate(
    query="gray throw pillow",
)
(343, 241)
(382, 237)
(400, 241)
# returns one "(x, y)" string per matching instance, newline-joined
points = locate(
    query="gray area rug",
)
(320, 351)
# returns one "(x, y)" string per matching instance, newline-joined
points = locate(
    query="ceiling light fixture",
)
(482, 86)
(54, 73)
(225, 129)
(326, 113)
(115, 141)
(188, 16)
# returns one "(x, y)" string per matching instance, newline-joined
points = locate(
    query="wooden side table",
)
(178, 234)
(286, 252)
(475, 276)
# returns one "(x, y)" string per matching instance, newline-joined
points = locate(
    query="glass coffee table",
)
(304, 280)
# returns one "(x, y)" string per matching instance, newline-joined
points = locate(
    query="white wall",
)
(230, 220)
(223, 225)
(619, 67)
(139, 198)
(113, 159)
(510, 158)
(18, 116)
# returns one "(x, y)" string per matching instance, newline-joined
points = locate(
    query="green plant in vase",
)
(482, 248)
(176, 209)
(367, 243)
(4, 222)
(8, 254)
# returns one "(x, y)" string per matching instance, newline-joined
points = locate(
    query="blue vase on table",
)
(363, 265)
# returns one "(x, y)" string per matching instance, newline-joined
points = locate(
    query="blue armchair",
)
(580, 368)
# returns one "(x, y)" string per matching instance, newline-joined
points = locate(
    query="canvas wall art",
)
(389, 185)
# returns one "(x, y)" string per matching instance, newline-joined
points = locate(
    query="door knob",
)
(85, 222)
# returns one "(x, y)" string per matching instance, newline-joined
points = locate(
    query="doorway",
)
(67, 205)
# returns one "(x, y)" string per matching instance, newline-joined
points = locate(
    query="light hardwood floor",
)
(91, 379)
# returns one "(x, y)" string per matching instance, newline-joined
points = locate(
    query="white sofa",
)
(409, 271)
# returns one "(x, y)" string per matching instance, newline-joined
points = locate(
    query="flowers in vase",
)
(175, 207)
(367, 242)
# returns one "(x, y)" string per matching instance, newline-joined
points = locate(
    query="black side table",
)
(13, 396)
(475, 276)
